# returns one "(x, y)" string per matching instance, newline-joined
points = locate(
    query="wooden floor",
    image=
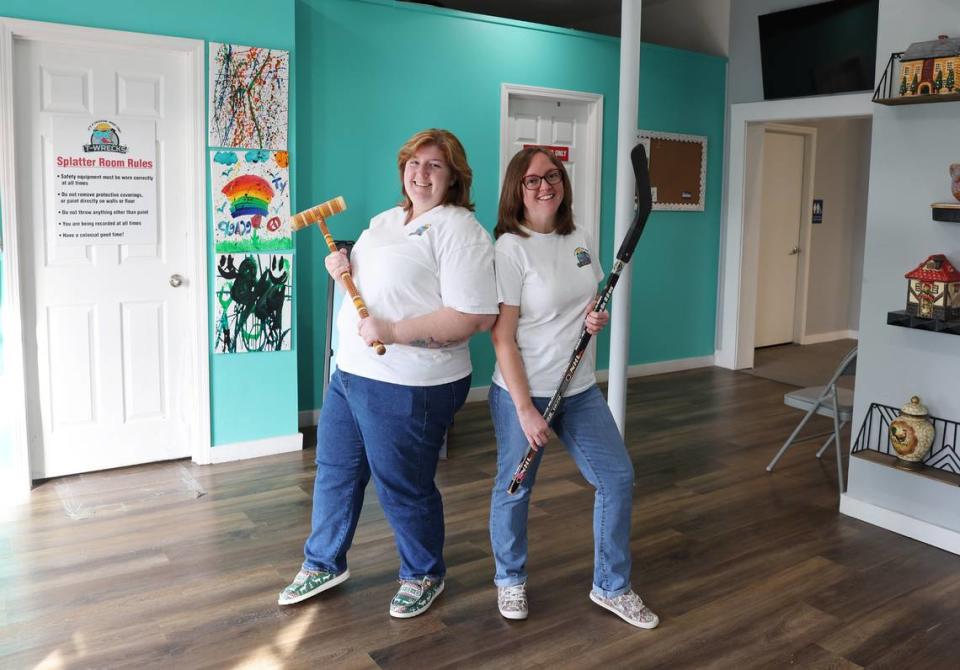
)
(178, 566)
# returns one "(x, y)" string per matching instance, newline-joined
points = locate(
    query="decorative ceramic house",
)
(933, 290)
(931, 68)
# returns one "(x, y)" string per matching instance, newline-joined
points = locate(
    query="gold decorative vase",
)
(911, 434)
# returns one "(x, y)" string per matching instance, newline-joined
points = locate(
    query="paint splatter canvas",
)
(248, 96)
(251, 200)
(253, 294)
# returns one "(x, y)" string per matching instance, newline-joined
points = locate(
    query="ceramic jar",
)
(955, 180)
(911, 433)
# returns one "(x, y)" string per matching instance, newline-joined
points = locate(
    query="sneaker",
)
(414, 597)
(512, 601)
(308, 583)
(628, 607)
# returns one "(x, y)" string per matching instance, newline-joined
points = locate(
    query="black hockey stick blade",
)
(638, 157)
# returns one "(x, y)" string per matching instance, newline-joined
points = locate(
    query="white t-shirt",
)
(549, 277)
(443, 258)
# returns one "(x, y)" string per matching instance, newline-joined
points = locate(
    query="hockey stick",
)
(644, 203)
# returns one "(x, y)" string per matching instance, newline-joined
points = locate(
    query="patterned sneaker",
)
(512, 601)
(414, 597)
(628, 607)
(308, 583)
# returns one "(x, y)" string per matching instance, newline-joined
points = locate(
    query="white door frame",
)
(736, 299)
(12, 316)
(809, 136)
(592, 153)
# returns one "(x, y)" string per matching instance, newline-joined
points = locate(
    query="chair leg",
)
(836, 431)
(826, 444)
(793, 435)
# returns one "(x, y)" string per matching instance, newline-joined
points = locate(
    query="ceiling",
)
(696, 25)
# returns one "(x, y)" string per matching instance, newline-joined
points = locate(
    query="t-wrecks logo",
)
(105, 136)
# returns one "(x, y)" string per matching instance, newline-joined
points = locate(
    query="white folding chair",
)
(831, 401)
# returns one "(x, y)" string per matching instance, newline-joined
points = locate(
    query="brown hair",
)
(510, 216)
(461, 175)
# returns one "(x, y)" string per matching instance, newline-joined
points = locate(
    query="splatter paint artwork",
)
(253, 294)
(251, 200)
(248, 96)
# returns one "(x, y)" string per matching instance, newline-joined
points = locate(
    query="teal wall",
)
(367, 75)
(252, 395)
(373, 72)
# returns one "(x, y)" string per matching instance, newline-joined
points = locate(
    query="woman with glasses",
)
(425, 270)
(547, 275)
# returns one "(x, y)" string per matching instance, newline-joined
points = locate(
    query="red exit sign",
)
(563, 153)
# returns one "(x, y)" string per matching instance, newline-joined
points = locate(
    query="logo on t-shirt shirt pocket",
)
(583, 257)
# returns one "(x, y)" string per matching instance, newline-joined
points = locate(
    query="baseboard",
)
(310, 417)
(817, 338)
(937, 536)
(256, 448)
(14, 491)
(479, 393)
(661, 367)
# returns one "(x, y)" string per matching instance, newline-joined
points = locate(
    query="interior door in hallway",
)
(108, 340)
(781, 209)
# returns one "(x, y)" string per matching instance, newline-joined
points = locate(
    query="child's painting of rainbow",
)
(251, 200)
(248, 96)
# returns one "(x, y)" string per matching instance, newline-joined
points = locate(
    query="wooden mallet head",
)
(317, 214)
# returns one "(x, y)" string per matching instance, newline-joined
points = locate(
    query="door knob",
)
(794, 251)
(176, 280)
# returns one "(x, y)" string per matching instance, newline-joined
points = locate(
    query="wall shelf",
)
(946, 211)
(919, 99)
(886, 93)
(906, 320)
(873, 443)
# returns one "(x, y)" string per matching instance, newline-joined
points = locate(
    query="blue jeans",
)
(587, 429)
(393, 433)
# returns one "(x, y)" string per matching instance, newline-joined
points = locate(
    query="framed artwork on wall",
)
(678, 169)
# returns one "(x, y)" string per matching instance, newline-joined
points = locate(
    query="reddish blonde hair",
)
(461, 175)
(511, 213)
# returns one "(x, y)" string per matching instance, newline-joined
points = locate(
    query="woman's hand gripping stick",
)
(319, 215)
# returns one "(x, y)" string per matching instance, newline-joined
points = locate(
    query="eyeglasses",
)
(532, 181)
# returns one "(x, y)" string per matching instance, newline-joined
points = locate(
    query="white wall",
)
(911, 149)
(836, 245)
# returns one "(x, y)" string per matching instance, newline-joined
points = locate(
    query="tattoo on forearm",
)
(430, 343)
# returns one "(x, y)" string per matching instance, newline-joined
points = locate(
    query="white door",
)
(781, 208)
(558, 123)
(108, 367)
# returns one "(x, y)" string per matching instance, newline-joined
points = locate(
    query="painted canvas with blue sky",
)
(251, 200)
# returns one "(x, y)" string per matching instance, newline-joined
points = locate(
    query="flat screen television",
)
(830, 47)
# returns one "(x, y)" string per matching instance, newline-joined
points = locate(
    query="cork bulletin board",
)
(678, 169)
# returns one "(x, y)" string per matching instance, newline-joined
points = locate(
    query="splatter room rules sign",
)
(104, 181)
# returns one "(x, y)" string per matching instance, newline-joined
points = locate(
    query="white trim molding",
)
(10, 318)
(924, 531)
(268, 446)
(817, 338)
(310, 417)
(734, 304)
